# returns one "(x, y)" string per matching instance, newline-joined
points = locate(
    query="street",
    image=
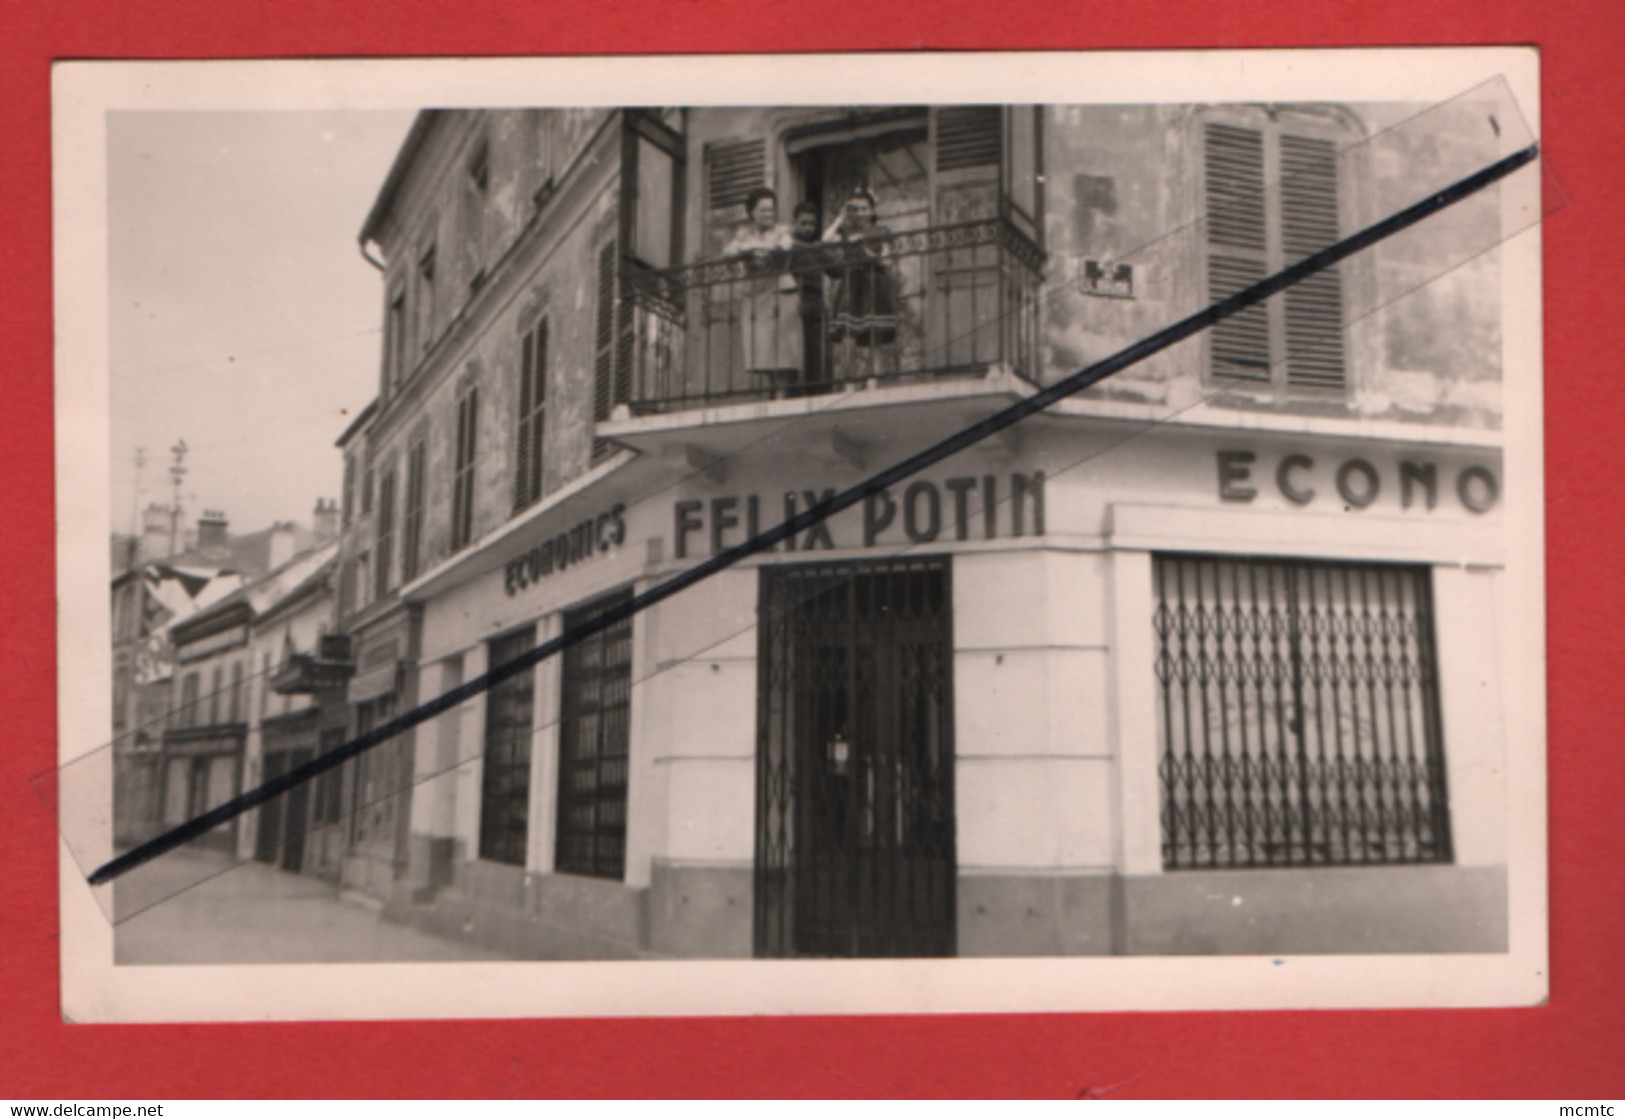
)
(255, 914)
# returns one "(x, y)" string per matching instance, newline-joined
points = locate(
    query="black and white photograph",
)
(881, 549)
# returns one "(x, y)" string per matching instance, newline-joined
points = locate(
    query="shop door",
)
(296, 815)
(269, 838)
(855, 803)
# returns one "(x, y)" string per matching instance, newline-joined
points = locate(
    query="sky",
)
(243, 318)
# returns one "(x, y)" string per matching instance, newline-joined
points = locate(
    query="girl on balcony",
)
(770, 306)
(864, 306)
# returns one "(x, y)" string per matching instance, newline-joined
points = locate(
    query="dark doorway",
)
(285, 820)
(855, 761)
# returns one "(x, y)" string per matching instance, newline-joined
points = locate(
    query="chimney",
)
(282, 544)
(211, 531)
(154, 542)
(326, 520)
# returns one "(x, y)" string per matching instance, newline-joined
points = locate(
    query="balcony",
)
(943, 302)
(330, 666)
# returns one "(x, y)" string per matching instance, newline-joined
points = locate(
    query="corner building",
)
(1201, 661)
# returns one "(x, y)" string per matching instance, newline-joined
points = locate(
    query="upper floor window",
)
(426, 297)
(532, 415)
(396, 359)
(363, 579)
(612, 344)
(235, 712)
(186, 714)
(412, 535)
(217, 687)
(476, 192)
(652, 190)
(386, 533)
(366, 492)
(1271, 198)
(462, 479)
(349, 490)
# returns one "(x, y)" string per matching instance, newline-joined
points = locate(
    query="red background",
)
(1573, 1048)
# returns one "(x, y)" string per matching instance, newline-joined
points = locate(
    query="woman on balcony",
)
(770, 307)
(864, 306)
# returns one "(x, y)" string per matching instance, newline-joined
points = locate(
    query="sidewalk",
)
(254, 914)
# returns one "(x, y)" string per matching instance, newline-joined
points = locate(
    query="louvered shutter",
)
(734, 170)
(603, 387)
(521, 482)
(462, 495)
(1314, 307)
(968, 136)
(537, 415)
(1237, 248)
(412, 545)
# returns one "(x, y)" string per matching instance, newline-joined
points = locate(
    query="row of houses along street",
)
(1200, 662)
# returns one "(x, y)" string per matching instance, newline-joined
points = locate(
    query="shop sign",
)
(225, 639)
(583, 541)
(922, 512)
(1355, 482)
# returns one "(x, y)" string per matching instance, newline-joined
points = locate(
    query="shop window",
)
(1294, 341)
(384, 554)
(532, 416)
(505, 783)
(594, 743)
(328, 799)
(462, 479)
(382, 774)
(412, 534)
(1298, 714)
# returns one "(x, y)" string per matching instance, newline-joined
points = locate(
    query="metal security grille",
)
(594, 736)
(1299, 714)
(855, 747)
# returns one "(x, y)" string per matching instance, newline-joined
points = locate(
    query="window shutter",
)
(521, 484)
(733, 171)
(532, 410)
(1234, 168)
(412, 545)
(604, 335)
(623, 353)
(1314, 307)
(462, 493)
(968, 136)
(538, 411)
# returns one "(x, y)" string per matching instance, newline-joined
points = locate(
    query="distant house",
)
(152, 595)
(225, 733)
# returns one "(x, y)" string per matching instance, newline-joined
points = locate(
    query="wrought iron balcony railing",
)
(943, 301)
